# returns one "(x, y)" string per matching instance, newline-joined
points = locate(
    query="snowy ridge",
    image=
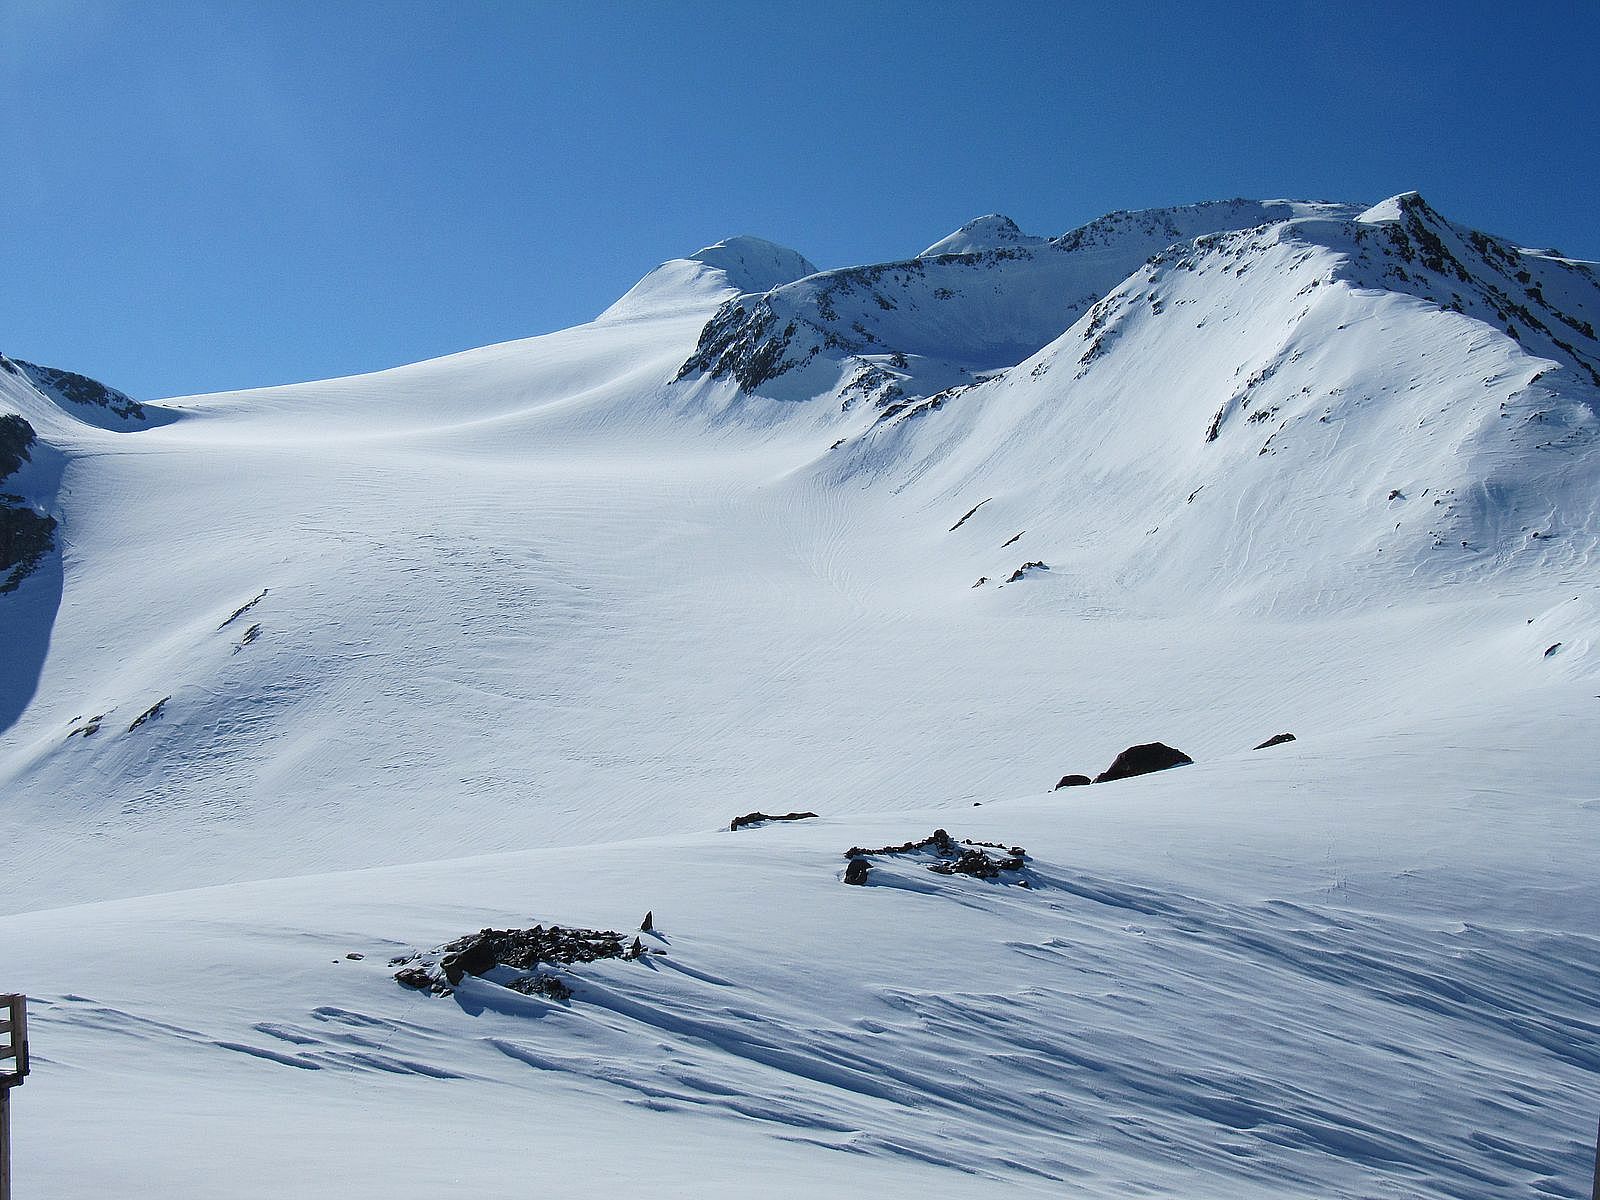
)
(1321, 350)
(318, 676)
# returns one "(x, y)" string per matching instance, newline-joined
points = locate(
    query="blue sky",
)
(198, 196)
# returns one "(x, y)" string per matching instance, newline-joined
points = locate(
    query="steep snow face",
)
(943, 319)
(707, 277)
(991, 232)
(1315, 412)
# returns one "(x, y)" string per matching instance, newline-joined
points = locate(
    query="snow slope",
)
(508, 637)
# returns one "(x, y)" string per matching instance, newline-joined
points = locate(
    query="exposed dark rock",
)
(756, 818)
(16, 443)
(1552, 649)
(242, 609)
(80, 389)
(1142, 760)
(980, 864)
(1276, 739)
(416, 977)
(550, 986)
(968, 514)
(963, 857)
(1073, 781)
(1024, 569)
(149, 714)
(25, 538)
(474, 958)
(520, 949)
(938, 840)
(649, 922)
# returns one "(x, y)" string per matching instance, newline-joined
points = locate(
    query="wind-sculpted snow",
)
(1188, 1018)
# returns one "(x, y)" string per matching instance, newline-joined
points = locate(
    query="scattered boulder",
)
(1024, 569)
(1143, 760)
(757, 818)
(1073, 781)
(1276, 739)
(649, 922)
(856, 873)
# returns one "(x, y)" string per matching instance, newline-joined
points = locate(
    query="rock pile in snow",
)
(519, 949)
(954, 857)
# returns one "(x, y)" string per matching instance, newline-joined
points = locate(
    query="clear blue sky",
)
(197, 196)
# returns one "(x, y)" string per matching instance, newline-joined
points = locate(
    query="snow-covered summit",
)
(989, 232)
(733, 266)
(754, 264)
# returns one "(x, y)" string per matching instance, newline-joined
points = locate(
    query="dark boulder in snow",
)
(1276, 739)
(757, 818)
(856, 872)
(1073, 781)
(1142, 760)
(474, 958)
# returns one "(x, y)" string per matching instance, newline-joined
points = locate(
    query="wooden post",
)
(13, 1068)
(5, 1143)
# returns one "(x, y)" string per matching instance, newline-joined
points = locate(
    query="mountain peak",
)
(733, 266)
(754, 264)
(1396, 208)
(989, 232)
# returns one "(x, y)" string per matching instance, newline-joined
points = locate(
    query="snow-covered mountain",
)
(507, 638)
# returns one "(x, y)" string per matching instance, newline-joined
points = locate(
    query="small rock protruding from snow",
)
(1073, 781)
(1276, 739)
(990, 232)
(649, 923)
